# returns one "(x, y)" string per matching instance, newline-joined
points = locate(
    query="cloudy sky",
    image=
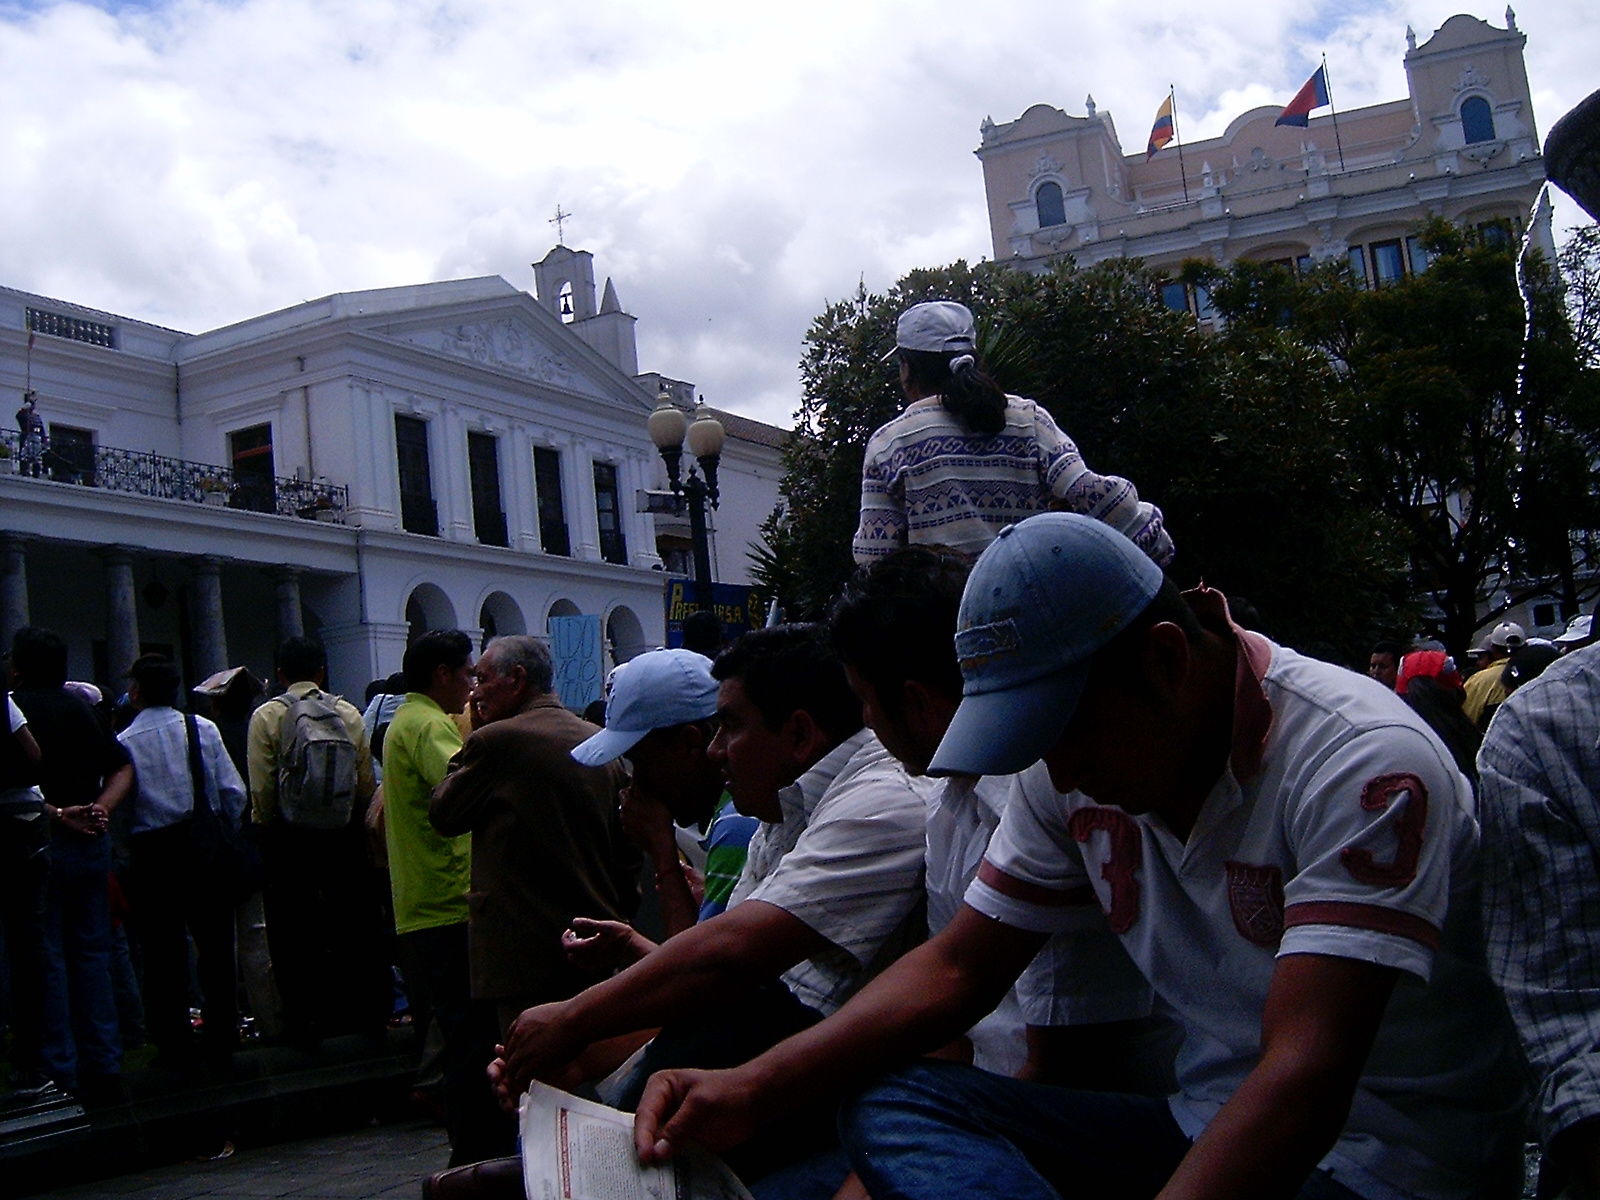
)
(733, 166)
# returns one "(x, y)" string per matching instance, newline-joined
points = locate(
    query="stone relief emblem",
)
(1046, 165)
(1471, 77)
(506, 345)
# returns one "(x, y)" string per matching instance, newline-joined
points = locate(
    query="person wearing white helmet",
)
(964, 459)
(1485, 689)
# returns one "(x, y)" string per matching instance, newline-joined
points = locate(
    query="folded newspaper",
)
(573, 1149)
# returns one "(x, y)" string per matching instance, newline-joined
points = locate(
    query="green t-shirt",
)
(428, 873)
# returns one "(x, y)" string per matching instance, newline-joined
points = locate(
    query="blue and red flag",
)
(1313, 95)
(1161, 131)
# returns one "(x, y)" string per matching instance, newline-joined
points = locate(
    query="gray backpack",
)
(316, 764)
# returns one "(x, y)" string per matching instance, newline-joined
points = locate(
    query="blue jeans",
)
(939, 1129)
(82, 1033)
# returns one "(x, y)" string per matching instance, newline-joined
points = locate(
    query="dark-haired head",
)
(790, 668)
(894, 628)
(39, 657)
(302, 660)
(437, 648)
(967, 394)
(156, 679)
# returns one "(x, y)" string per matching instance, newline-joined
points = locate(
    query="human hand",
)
(713, 1109)
(602, 946)
(87, 819)
(540, 1044)
(647, 822)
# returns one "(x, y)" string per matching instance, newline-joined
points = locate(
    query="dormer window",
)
(1477, 122)
(1052, 210)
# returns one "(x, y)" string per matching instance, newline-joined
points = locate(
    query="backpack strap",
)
(197, 770)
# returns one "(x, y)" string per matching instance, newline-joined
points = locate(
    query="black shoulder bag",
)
(230, 864)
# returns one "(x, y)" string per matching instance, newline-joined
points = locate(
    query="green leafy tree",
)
(1485, 482)
(1240, 443)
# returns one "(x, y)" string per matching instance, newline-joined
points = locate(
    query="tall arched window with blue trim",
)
(1052, 209)
(1477, 122)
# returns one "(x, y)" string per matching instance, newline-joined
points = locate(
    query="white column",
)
(641, 526)
(451, 490)
(13, 587)
(291, 622)
(583, 518)
(522, 517)
(210, 640)
(122, 615)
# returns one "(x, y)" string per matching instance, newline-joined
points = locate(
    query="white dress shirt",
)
(157, 741)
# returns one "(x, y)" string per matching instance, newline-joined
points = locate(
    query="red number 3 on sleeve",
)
(1375, 797)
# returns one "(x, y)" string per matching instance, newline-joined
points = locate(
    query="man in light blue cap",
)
(1276, 842)
(662, 716)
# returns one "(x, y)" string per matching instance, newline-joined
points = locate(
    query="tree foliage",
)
(1338, 456)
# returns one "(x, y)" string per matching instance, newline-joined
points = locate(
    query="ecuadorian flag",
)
(1313, 95)
(1161, 131)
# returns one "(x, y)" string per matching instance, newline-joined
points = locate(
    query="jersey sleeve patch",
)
(1362, 864)
(1255, 898)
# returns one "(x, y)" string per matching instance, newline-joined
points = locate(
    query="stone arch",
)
(562, 608)
(499, 616)
(427, 609)
(624, 634)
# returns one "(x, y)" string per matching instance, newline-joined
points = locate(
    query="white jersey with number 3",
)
(1342, 828)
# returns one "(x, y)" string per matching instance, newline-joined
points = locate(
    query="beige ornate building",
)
(1462, 145)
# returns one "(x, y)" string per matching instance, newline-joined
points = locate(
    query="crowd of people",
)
(1023, 874)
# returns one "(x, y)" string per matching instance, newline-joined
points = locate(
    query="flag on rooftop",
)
(1313, 95)
(1161, 131)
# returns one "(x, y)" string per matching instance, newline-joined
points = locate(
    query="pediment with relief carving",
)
(505, 344)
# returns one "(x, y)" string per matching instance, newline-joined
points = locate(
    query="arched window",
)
(565, 304)
(1051, 209)
(1477, 122)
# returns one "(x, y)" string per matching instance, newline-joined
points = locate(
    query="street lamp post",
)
(669, 430)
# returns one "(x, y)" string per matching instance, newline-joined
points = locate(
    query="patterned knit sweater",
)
(928, 480)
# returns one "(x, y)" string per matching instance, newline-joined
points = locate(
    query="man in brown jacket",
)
(547, 845)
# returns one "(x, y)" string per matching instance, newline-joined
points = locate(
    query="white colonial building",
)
(364, 466)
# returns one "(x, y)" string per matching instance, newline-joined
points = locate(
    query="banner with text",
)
(575, 652)
(737, 605)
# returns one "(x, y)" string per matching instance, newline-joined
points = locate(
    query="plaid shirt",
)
(1540, 807)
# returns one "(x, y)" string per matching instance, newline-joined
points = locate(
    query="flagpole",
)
(1338, 141)
(1172, 94)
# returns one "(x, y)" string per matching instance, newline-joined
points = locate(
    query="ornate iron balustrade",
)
(143, 473)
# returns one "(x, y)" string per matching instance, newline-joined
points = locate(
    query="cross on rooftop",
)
(559, 221)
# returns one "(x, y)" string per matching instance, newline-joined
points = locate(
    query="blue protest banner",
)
(737, 605)
(575, 653)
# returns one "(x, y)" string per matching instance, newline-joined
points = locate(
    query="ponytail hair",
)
(968, 395)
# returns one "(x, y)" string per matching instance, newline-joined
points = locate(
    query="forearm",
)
(1267, 1139)
(116, 789)
(923, 1002)
(679, 912)
(716, 960)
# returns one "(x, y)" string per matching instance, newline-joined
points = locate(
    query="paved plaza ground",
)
(386, 1161)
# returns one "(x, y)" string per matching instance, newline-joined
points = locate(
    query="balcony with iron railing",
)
(143, 473)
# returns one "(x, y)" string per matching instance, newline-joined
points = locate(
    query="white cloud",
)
(732, 166)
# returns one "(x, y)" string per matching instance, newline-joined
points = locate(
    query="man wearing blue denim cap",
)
(1286, 852)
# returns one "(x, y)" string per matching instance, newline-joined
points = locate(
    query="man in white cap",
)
(1485, 690)
(964, 459)
(1578, 633)
(1277, 844)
